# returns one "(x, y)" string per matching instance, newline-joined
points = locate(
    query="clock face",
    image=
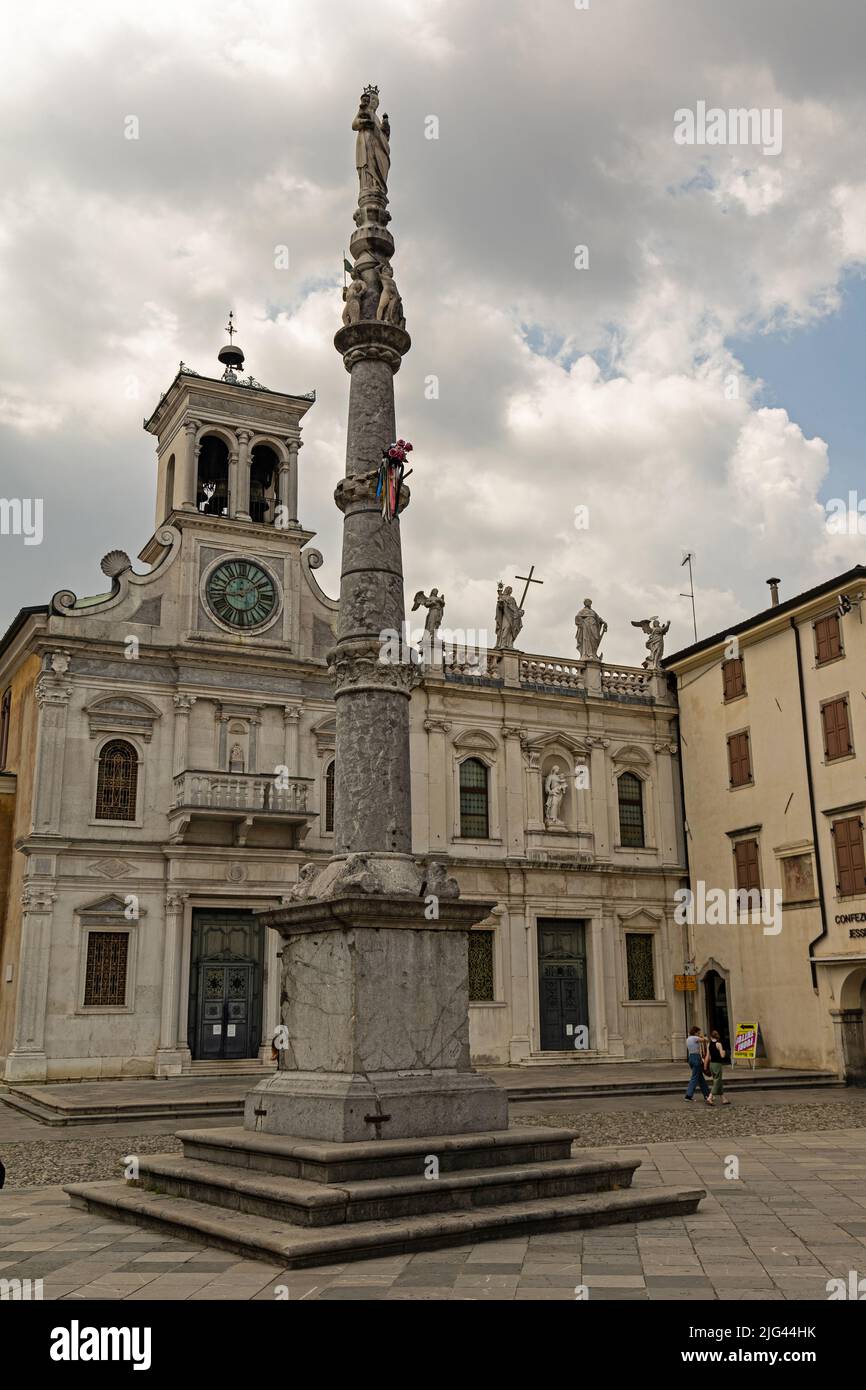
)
(241, 594)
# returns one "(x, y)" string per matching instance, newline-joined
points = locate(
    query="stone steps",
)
(380, 1199)
(292, 1247)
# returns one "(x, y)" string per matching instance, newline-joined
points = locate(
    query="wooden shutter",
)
(733, 677)
(837, 730)
(747, 865)
(828, 639)
(850, 863)
(739, 759)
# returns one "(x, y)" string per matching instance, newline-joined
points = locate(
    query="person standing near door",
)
(696, 1045)
(716, 1054)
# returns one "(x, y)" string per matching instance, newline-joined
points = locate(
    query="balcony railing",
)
(244, 792)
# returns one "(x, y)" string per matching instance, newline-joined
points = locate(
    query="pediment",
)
(110, 905)
(632, 755)
(541, 743)
(325, 734)
(122, 713)
(641, 917)
(475, 740)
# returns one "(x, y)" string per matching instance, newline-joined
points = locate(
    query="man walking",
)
(696, 1051)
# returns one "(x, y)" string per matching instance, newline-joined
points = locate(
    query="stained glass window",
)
(473, 799)
(480, 966)
(105, 974)
(117, 781)
(639, 965)
(631, 833)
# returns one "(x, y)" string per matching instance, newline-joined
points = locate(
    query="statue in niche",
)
(372, 146)
(353, 293)
(236, 758)
(655, 641)
(589, 630)
(390, 306)
(555, 787)
(509, 618)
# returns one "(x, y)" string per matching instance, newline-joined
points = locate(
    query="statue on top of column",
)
(589, 630)
(372, 147)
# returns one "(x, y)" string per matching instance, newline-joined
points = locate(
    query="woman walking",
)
(716, 1054)
(696, 1045)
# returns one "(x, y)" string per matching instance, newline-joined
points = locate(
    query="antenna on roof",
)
(688, 556)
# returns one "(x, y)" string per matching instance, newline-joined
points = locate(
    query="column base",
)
(350, 1108)
(26, 1066)
(170, 1061)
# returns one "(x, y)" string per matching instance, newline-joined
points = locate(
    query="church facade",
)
(167, 768)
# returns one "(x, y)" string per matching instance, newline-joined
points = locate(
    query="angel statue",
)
(655, 641)
(435, 606)
(509, 618)
(555, 787)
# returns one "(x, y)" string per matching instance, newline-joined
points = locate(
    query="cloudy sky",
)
(698, 385)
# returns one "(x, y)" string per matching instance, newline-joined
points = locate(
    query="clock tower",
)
(227, 450)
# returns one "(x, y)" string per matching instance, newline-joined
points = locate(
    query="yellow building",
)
(773, 734)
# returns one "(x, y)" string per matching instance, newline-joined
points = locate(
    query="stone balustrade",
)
(240, 791)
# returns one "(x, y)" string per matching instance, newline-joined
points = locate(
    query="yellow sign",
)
(746, 1042)
(685, 983)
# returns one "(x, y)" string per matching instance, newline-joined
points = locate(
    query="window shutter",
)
(850, 861)
(747, 864)
(739, 759)
(836, 728)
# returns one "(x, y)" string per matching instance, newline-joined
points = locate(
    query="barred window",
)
(117, 781)
(639, 965)
(473, 799)
(105, 974)
(329, 797)
(480, 966)
(631, 831)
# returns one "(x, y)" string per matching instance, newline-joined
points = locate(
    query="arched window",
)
(631, 831)
(117, 781)
(474, 820)
(264, 467)
(5, 717)
(329, 797)
(212, 488)
(169, 486)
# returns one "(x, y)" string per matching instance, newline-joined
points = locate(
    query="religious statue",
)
(353, 293)
(372, 147)
(655, 641)
(555, 787)
(435, 605)
(390, 306)
(236, 758)
(509, 618)
(590, 629)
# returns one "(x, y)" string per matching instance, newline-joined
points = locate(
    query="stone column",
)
(291, 719)
(231, 509)
(534, 797)
(169, 1060)
(289, 484)
(599, 793)
(666, 831)
(514, 805)
(180, 756)
(27, 1060)
(439, 783)
(375, 994)
(52, 697)
(242, 499)
(186, 472)
(851, 1044)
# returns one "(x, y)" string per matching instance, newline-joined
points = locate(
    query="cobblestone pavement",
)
(793, 1219)
(36, 1156)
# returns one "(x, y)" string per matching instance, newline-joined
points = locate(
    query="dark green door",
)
(225, 1006)
(563, 1006)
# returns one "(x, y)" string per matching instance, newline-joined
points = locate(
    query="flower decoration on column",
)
(392, 471)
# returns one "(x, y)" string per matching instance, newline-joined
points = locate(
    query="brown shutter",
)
(837, 732)
(850, 862)
(733, 677)
(828, 639)
(746, 860)
(739, 759)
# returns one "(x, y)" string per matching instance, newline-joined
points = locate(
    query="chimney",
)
(774, 591)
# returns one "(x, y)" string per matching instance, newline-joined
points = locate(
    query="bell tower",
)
(228, 446)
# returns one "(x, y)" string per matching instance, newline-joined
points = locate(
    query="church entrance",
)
(716, 995)
(225, 984)
(563, 1007)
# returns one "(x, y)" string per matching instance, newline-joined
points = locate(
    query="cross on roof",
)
(529, 580)
(230, 328)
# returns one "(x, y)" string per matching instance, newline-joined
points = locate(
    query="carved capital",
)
(49, 692)
(357, 665)
(513, 731)
(439, 726)
(291, 714)
(184, 703)
(175, 902)
(37, 900)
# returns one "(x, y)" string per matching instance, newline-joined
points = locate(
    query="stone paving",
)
(795, 1218)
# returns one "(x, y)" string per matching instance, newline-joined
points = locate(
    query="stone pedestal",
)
(375, 1009)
